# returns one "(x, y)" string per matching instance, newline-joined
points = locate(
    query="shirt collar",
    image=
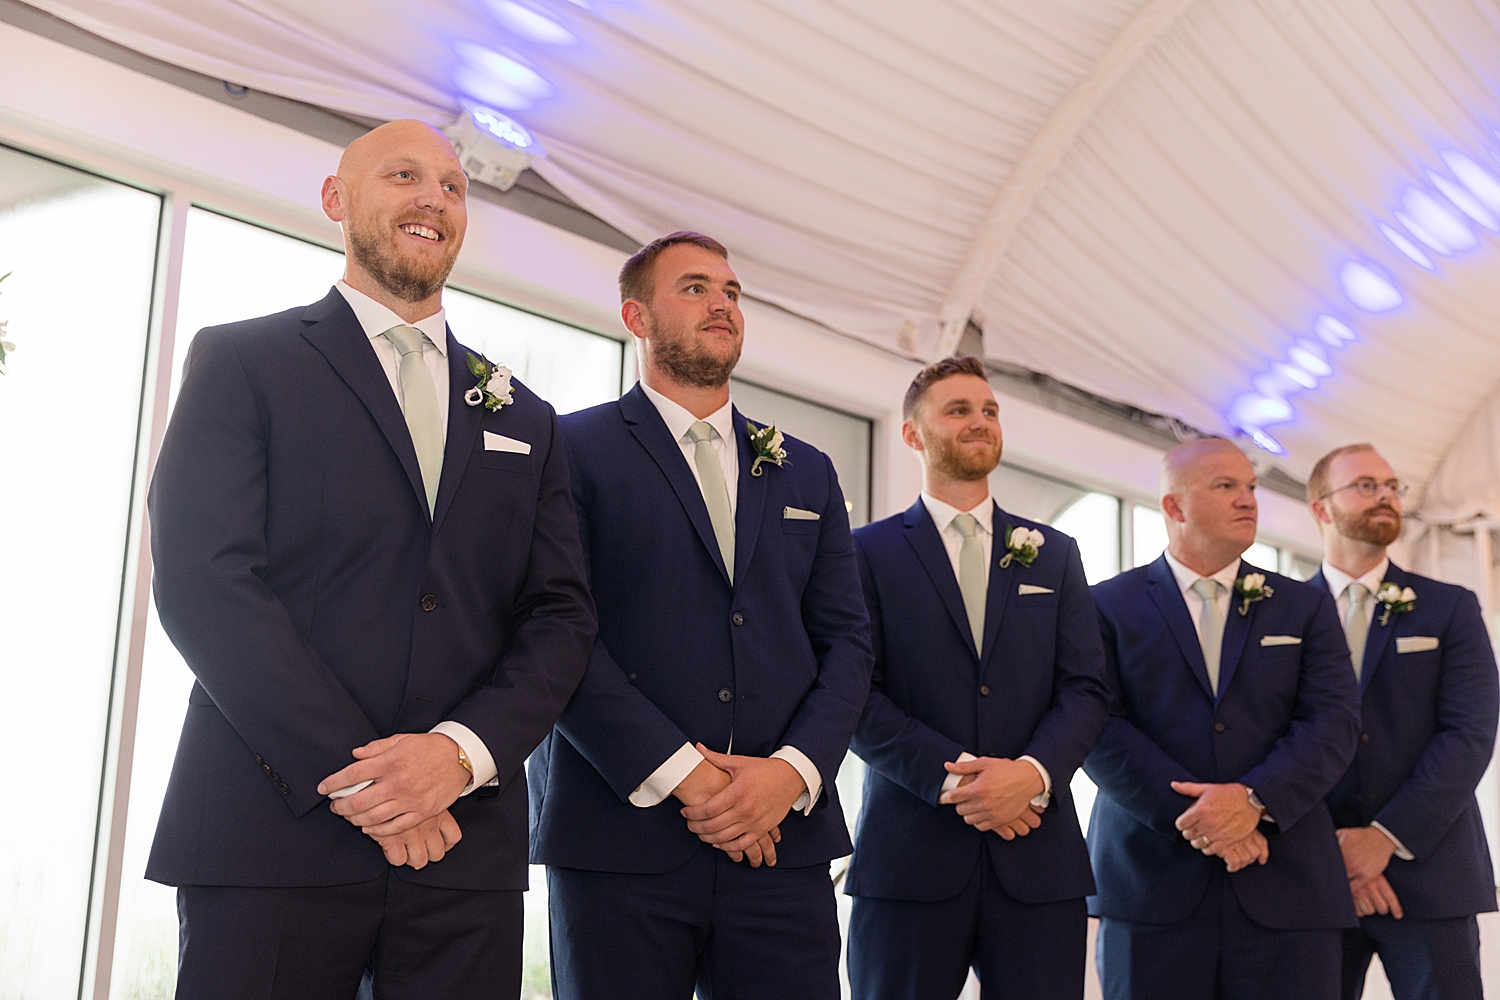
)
(375, 318)
(1338, 580)
(679, 420)
(943, 514)
(1187, 577)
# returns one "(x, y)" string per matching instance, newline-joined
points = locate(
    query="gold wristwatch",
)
(463, 759)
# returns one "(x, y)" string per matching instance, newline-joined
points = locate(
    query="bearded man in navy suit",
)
(685, 804)
(1235, 712)
(988, 691)
(1409, 825)
(376, 579)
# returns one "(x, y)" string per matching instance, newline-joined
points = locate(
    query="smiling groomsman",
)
(1235, 713)
(988, 692)
(685, 804)
(1409, 825)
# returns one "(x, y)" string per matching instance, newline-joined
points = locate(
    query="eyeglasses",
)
(1369, 489)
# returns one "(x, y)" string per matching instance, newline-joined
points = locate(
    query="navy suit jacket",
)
(1039, 689)
(781, 657)
(1285, 723)
(320, 607)
(1428, 731)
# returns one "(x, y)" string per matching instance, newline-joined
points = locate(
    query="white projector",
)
(493, 148)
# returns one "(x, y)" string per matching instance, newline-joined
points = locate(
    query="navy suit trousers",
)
(1217, 953)
(902, 950)
(731, 931)
(1423, 959)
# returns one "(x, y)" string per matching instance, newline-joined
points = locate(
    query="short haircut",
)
(1317, 480)
(935, 373)
(636, 280)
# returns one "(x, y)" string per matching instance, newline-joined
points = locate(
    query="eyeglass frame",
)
(1399, 488)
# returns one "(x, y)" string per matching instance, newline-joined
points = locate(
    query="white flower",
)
(499, 383)
(1020, 538)
(1408, 595)
(1254, 581)
(1388, 593)
(776, 440)
(1036, 539)
(474, 397)
(7, 346)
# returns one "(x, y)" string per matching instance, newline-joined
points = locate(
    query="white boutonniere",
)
(5, 346)
(1397, 601)
(493, 388)
(767, 443)
(1021, 544)
(1251, 587)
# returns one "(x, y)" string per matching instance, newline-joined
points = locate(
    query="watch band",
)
(1255, 801)
(463, 759)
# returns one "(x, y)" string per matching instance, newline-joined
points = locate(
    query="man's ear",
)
(910, 435)
(1320, 512)
(1172, 509)
(633, 315)
(333, 198)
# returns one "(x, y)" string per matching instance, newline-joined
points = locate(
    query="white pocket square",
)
(499, 442)
(798, 514)
(1415, 643)
(1281, 640)
(1027, 588)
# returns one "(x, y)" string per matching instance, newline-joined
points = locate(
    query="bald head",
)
(1188, 458)
(1208, 497)
(400, 195)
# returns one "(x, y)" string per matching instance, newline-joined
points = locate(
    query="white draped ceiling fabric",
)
(1161, 202)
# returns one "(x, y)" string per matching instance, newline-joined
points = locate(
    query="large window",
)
(82, 255)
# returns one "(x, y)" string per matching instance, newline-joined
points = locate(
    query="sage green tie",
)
(1357, 624)
(420, 405)
(1211, 629)
(715, 493)
(973, 581)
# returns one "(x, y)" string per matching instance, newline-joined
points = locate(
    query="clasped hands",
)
(414, 778)
(1367, 851)
(1223, 823)
(995, 793)
(737, 803)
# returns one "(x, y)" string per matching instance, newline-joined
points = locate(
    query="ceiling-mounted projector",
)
(493, 148)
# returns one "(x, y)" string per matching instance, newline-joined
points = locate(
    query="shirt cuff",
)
(655, 789)
(951, 782)
(1042, 800)
(485, 772)
(810, 777)
(1401, 851)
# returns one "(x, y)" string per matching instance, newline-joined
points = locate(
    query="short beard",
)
(946, 457)
(396, 276)
(683, 361)
(1361, 529)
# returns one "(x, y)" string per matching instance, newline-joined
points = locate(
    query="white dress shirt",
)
(953, 542)
(1338, 583)
(1187, 577)
(670, 774)
(375, 319)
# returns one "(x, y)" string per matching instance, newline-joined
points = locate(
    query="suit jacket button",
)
(265, 767)
(737, 618)
(726, 695)
(1218, 727)
(984, 690)
(429, 602)
(284, 790)
(1364, 737)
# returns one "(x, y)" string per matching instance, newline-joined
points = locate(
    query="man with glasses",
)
(1409, 826)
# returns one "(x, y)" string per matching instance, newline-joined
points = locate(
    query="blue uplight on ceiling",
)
(502, 127)
(1437, 220)
(1300, 376)
(1310, 356)
(1406, 246)
(1253, 409)
(1334, 332)
(530, 24)
(1369, 288)
(1480, 182)
(1424, 234)
(498, 80)
(1265, 441)
(1465, 201)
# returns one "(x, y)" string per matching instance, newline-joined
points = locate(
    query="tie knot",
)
(1357, 593)
(700, 432)
(967, 524)
(406, 339)
(1208, 589)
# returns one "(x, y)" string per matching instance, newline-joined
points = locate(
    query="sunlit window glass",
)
(1150, 534)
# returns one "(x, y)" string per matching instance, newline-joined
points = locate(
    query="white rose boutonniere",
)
(1021, 545)
(767, 442)
(493, 388)
(1398, 600)
(1251, 587)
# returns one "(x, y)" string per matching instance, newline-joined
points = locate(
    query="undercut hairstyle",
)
(1317, 480)
(935, 373)
(636, 279)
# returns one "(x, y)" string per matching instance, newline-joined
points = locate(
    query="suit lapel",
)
(922, 535)
(1236, 633)
(1168, 600)
(998, 593)
(463, 428)
(651, 431)
(751, 500)
(336, 333)
(1379, 637)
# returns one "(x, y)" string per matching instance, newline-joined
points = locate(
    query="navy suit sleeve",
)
(208, 516)
(1080, 695)
(1305, 763)
(903, 749)
(616, 728)
(550, 647)
(833, 613)
(1442, 784)
(1128, 765)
